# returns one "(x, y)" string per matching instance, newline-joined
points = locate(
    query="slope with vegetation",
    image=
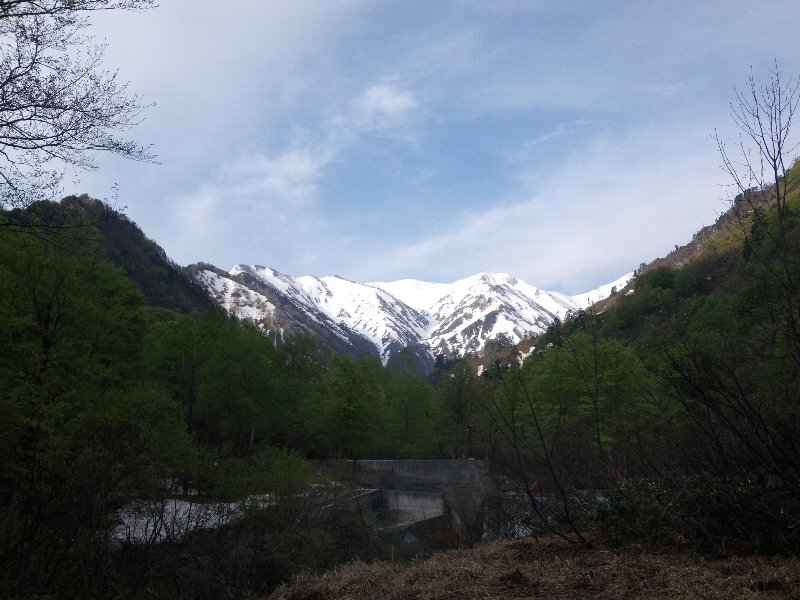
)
(545, 568)
(677, 398)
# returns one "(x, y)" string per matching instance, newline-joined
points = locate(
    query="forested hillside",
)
(680, 398)
(665, 418)
(155, 445)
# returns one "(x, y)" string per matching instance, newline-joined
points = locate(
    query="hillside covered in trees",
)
(110, 394)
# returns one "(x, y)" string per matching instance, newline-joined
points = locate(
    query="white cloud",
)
(197, 213)
(385, 101)
(531, 149)
(255, 217)
(384, 109)
(275, 124)
(293, 175)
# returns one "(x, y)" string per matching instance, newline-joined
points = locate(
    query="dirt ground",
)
(548, 568)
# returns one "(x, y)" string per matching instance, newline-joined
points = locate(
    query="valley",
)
(124, 371)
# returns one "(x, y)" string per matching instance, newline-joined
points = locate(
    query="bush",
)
(704, 512)
(687, 280)
(660, 277)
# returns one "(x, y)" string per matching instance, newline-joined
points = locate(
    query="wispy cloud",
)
(532, 149)
(253, 217)
(617, 201)
(385, 102)
(197, 211)
(291, 176)
(384, 109)
(281, 190)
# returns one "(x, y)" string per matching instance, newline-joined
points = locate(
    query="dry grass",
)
(548, 569)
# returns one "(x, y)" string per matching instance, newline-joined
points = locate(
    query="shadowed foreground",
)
(548, 569)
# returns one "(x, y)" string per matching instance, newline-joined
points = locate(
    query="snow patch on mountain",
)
(586, 299)
(489, 306)
(420, 295)
(373, 312)
(238, 300)
(293, 292)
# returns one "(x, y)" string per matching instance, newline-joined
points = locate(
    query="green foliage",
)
(704, 511)
(106, 401)
(687, 280)
(459, 398)
(633, 510)
(411, 408)
(79, 436)
(599, 390)
(660, 277)
(349, 408)
(681, 400)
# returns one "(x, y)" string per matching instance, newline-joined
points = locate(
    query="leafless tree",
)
(760, 169)
(58, 106)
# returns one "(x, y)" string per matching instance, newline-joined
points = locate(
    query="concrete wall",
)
(465, 484)
(402, 506)
(453, 476)
(381, 509)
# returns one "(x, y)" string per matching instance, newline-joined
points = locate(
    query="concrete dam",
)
(414, 504)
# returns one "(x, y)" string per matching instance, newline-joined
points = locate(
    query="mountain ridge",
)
(425, 318)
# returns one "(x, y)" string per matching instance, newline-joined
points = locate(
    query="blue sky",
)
(565, 142)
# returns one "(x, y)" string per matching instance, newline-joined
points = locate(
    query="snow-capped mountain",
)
(389, 324)
(470, 312)
(386, 317)
(277, 304)
(239, 300)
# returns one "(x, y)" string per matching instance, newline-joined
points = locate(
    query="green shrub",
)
(704, 512)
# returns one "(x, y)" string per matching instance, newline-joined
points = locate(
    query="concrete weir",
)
(413, 503)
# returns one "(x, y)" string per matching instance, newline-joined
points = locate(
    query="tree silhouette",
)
(58, 106)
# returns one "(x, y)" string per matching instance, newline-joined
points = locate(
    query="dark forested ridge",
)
(162, 283)
(675, 403)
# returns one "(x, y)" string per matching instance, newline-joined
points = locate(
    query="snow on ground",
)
(240, 301)
(157, 521)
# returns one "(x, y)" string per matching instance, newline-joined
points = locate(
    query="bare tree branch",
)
(58, 107)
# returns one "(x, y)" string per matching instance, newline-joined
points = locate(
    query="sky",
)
(563, 141)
